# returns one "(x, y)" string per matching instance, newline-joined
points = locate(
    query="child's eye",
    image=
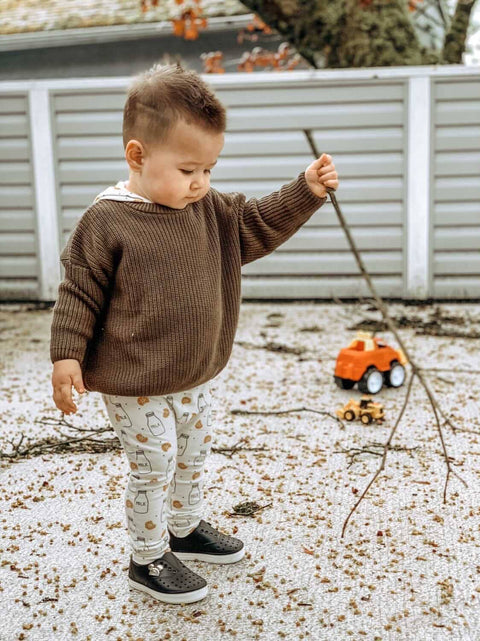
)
(187, 171)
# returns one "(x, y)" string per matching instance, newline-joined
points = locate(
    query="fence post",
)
(418, 189)
(43, 164)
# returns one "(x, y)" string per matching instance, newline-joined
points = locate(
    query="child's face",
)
(177, 172)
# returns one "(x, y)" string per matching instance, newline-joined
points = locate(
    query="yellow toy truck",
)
(366, 410)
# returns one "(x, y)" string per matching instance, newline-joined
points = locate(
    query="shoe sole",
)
(165, 597)
(221, 559)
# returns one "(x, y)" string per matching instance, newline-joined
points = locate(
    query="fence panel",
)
(18, 246)
(362, 126)
(367, 120)
(455, 246)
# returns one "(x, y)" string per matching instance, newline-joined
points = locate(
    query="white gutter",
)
(113, 33)
(260, 78)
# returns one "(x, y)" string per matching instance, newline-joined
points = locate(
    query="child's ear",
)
(134, 155)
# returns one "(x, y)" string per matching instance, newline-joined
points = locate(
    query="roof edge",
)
(111, 33)
(261, 79)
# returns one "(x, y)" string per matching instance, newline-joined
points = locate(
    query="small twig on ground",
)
(448, 333)
(432, 327)
(236, 448)
(86, 443)
(374, 448)
(294, 409)
(313, 328)
(384, 457)
(273, 347)
(62, 421)
(455, 370)
(465, 429)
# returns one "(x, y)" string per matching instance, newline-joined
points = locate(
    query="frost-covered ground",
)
(407, 568)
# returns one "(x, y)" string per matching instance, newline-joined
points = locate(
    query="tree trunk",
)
(454, 43)
(344, 33)
(359, 33)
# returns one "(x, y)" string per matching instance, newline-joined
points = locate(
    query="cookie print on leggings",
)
(166, 440)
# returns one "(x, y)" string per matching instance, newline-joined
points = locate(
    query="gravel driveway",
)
(407, 568)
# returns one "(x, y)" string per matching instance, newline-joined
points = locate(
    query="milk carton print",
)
(121, 416)
(154, 424)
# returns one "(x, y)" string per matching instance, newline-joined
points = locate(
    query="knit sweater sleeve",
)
(266, 223)
(89, 262)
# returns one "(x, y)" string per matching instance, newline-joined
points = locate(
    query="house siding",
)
(360, 117)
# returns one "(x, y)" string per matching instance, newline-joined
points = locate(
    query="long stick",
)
(391, 326)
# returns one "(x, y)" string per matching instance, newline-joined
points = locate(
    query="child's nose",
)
(199, 182)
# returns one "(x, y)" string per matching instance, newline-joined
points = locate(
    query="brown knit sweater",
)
(151, 296)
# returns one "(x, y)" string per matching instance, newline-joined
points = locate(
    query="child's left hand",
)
(320, 175)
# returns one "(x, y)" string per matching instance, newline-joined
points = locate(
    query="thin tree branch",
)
(236, 448)
(294, 409)
(371, 448)
(86, 443)
(443, 14)
(423, 11)
(391, 326)
(384, 457)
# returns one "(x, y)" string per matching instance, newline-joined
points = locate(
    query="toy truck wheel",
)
(349, 415)
(396, 376)
(371, 382)
(366, 419)
(344, 383)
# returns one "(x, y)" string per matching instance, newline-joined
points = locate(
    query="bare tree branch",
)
(379, 303)
(455, 37)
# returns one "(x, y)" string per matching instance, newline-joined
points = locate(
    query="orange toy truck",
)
(369, 362)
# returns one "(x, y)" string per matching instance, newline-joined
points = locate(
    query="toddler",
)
(147, 312)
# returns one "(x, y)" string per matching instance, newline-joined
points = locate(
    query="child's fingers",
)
(332, 175)
(64, 401)
(326, 169)
(324, 159)
(78, 383)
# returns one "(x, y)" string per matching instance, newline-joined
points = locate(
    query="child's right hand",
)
(66, 373)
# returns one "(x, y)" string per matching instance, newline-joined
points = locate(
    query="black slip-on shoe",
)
(167, 579)
(206, 543)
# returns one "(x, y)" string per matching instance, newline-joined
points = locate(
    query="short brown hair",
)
(159, 97)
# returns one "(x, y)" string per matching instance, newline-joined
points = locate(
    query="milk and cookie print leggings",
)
(166, 440)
